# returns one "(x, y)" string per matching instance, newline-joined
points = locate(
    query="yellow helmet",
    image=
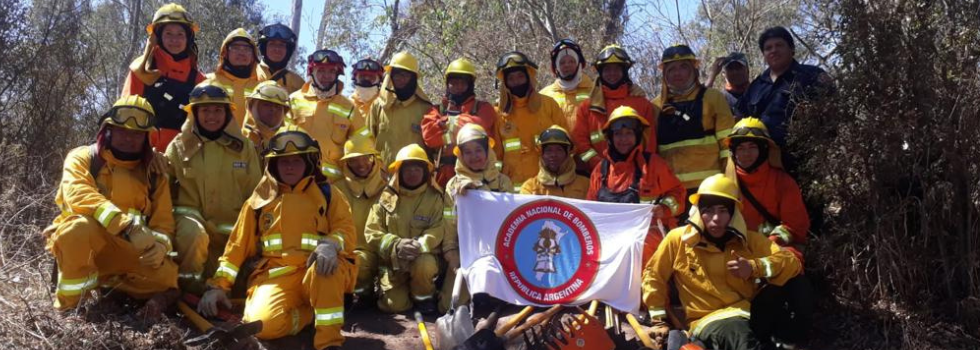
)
(403, 60)
(359, 145)
(555, 135)
(291, 140)
(270, 91)
(410, 152)
(622, 112)
(516, 59)
(471, 132)
(717, 185)
(461, 66)
(131, 112)
(208, 93)
(678, 52)
(748, 128)
(171, 13)
(613, 54)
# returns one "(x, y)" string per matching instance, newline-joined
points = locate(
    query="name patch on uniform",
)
(239, 165)
(422, 218)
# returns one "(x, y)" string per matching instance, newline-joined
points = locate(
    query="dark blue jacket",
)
(774, 102)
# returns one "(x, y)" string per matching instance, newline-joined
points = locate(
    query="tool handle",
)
(514, 321)
(533, 321)
(593, 306)
(640, 332)
(423, 332)
(195, 318)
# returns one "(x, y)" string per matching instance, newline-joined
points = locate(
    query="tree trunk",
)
(297, 14)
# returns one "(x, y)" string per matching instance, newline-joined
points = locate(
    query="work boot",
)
(427, 307)
(158, 304)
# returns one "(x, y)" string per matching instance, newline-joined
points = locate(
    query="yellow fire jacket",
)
(329, 121)
(402, 213)
(237, 88)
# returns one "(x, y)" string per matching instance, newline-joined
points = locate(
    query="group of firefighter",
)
(283, 191)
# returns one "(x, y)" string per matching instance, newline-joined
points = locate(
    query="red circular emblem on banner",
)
(549, 251)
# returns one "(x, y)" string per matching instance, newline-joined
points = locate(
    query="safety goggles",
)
(277, 31)
(326, 56)
(624, 123)
(563, 43)
(364, 66)
(130, 117)
(270, 92)
(514, 59)
(614, 55)
(757, 132)
(551, 136)
(214, 92)
(172, 17)
(291, 142)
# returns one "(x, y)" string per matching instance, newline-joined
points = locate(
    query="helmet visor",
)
(271, 92)
(609, 53)
(624, 123)
(208, 92)
(277, 32)
(367, 66)
(749, 131)
(326, 56)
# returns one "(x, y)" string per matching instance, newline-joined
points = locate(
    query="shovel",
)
(237, 337)
(455, 326)
(422, 332)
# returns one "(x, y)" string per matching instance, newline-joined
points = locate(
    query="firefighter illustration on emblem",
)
(546, 248)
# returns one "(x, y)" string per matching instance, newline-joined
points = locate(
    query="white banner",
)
(543, 250)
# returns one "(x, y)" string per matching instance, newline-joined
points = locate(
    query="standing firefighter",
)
(571, 85)
(236, 71)
(277, 43)
(167, 71)
(362, 185)
(267, 107)
(116, 225)
(614, 88)
(405, 230)
(396, 116)
(693, 120)
(629, 174)
(296, 236)
(458, 108)
(366, 75)
(524, 113)
(557, 176)
(719, 268)
(320, 108)
(214, 170)
(475, 170)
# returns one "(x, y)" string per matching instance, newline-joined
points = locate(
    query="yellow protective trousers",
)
(400, 288)
(287, 299)
(88, 256)
(367, 272)
(198, 251)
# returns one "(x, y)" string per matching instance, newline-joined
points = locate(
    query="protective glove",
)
(208, 306)
(659, 332)
(408, 249)
(153, 257)
(452, 259)
(325, 257)
(140, 236)
(780, 234)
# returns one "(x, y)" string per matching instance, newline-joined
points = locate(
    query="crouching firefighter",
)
(116, 225)
(296, 236)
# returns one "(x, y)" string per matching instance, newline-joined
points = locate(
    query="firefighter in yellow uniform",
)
(366, 75)
(362, 184)
(277, 43)
(693, 120)
(329, 116)
(557, 175)
(571, 85)
(718, 267)
(236, 72)
(296, 234)
(405, 230)
(476, 169)
(116, 227)
(524, 114)
(396, 116)
(213, 171)
(267, 108)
